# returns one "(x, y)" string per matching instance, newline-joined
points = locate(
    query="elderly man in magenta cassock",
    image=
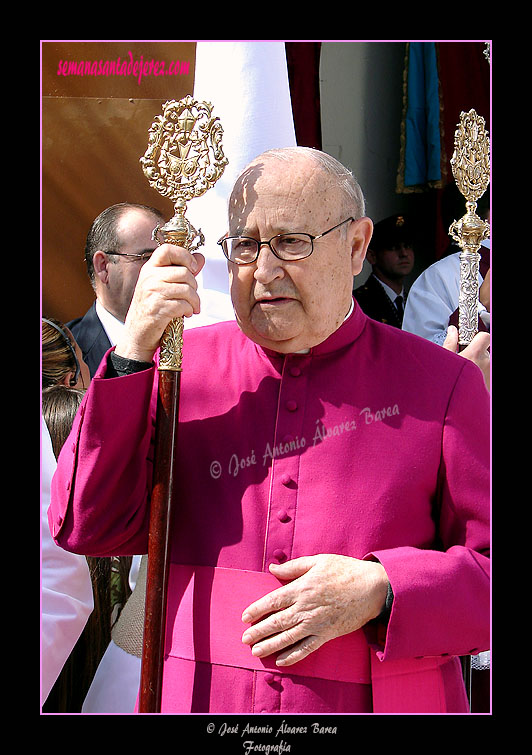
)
(330, 540)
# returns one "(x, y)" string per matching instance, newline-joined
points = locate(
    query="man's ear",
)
(100, 262)
(360, 233)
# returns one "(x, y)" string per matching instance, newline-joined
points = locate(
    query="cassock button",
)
(291, 405)
(269, 678)
(279, 555)
(286, 479)
(282, 515)
(295, 371)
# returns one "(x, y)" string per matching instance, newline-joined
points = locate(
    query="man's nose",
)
(268, 266)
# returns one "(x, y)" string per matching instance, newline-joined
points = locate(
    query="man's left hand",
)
(478, 351)
(329, 596)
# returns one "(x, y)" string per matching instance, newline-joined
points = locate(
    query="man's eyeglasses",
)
(143, 256)
(244, 250)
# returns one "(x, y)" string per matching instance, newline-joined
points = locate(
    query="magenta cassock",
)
(375, 445)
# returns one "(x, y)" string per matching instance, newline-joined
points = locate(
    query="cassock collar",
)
(347, 333)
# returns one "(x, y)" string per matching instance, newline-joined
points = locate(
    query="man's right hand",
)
(166, 288)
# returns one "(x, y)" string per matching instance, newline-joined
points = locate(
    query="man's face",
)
(290, 306)
(134, 230)
(395, 262)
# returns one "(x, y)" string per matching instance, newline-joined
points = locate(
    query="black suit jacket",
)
(90, 337)
(376, 304)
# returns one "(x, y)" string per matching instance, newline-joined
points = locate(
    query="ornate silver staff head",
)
(470, 164)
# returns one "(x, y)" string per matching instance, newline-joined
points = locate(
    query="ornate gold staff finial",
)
(183, 160)
(470, 164)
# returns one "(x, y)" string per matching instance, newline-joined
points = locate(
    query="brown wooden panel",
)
(94, 131)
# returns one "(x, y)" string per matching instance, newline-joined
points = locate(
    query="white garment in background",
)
(433, 298)
(66, 587)
(247, 85)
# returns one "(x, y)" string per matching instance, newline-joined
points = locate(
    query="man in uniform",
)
(391, 255)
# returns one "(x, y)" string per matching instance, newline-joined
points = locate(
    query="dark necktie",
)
(399, 306)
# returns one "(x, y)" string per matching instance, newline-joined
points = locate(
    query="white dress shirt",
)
(112, 325)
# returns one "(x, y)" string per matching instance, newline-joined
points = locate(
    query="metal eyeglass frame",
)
(260, 244)
(143, 256)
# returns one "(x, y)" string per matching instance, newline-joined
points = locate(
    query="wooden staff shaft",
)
(179, 232)
(159, 542)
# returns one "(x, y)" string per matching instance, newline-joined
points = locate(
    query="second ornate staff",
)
(183, 160)
(470, 164)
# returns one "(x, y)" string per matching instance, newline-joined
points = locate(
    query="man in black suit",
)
(118, 243)
(382, 297)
